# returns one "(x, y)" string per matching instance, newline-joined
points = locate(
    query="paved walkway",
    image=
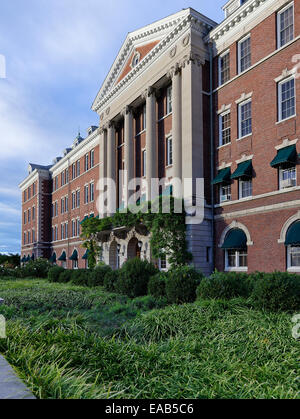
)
(11, 387)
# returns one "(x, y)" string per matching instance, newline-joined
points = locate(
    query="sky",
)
(57, 54)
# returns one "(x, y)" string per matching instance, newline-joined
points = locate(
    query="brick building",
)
(187, 98)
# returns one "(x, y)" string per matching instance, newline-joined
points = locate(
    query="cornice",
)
(192, 20)
(235, 19)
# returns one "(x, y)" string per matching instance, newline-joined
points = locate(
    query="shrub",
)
(80, 277)
(110, 280)
(157, 285)
(96, 277)
(222, 285)
(65, 276)
(54, 273)
(181, 284)
(4, 272)
(134, 277)
(37, 269)
(277, 292)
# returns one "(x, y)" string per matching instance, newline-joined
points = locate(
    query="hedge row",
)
(33, 269)
(276, 291)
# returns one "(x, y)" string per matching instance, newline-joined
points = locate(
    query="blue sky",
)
(58, 53)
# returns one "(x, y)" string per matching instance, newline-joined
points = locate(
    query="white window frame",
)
(169, 151)
(219, 66)
(241, 181)
(281, 171)
(169, 107)
(92, 158)
(240, 119)
(163, 265)
(86, 162)
(86, 194)
(228, 195)
(92, 192)
(239, 53)
(280, 12)
(221, 128)
(279, 94)
(237, 268)
(289, 260)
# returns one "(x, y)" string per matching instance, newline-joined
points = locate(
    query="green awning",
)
(293, 235)
(23, 260)
(285, 155)
(223, 176)
(168, 191)
(244, 169)
(235, 239)
(85, 218)
(92, 216)
(32, 257)
(63, 257)
(28, 259)
(53, 258)
(74, 255)
(86, 255)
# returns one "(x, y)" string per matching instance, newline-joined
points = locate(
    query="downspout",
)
(212, 150)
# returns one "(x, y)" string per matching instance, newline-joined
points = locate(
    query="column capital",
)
(126, 110)
(148, 92)
(192, 58)
(174, 70)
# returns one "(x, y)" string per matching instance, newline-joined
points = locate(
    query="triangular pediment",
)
(142, 44)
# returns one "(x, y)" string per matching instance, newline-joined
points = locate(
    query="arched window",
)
(292, 243)
(236, 250)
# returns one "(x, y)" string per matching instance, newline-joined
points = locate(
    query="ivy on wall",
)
(167, 231)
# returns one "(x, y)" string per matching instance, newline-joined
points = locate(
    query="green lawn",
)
(74, 342)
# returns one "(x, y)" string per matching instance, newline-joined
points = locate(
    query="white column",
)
(175, 75)
(151, 146)
(111, 164)
(129, 149)
(192, 121)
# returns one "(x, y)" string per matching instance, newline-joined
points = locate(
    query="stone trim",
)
(287, 225)
(286, 143)
(244, 97)
(244, 158)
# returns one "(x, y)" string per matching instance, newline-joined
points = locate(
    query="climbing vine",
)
(167, 231)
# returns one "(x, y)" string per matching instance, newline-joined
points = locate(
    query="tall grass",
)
(210, 349)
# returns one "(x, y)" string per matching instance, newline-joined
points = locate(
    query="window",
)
(29, 237)
(29, 215)
(225, 193)
(56, 233)
(169, 100)
(92, 192)
(33, 189)
(144, 167)
(86, 163)
(286, 98)
(29, 192)
(293, 256)
(33, 213)
(66, 230)
(92, 158)
(73, 200)
(163, 263)
(86, 194)
(62, 231)
(169, 151)
(62, 178)
(224, 68)
(62, 204)
(78, 168)
(56, 183)
(24, 217)
(225, 129)
(208, 254)
(245, 119)
(244, 54)
(24, 241)
(25, 196)
(78, 227)
(67, 175)
(73, 171)
(75, 264)
(245, 188)
(73, 228)
(285, 25)
(287, 177)
(78, 199)
(66, 204)
(33, 236)
(56, 209)
(236, 259)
